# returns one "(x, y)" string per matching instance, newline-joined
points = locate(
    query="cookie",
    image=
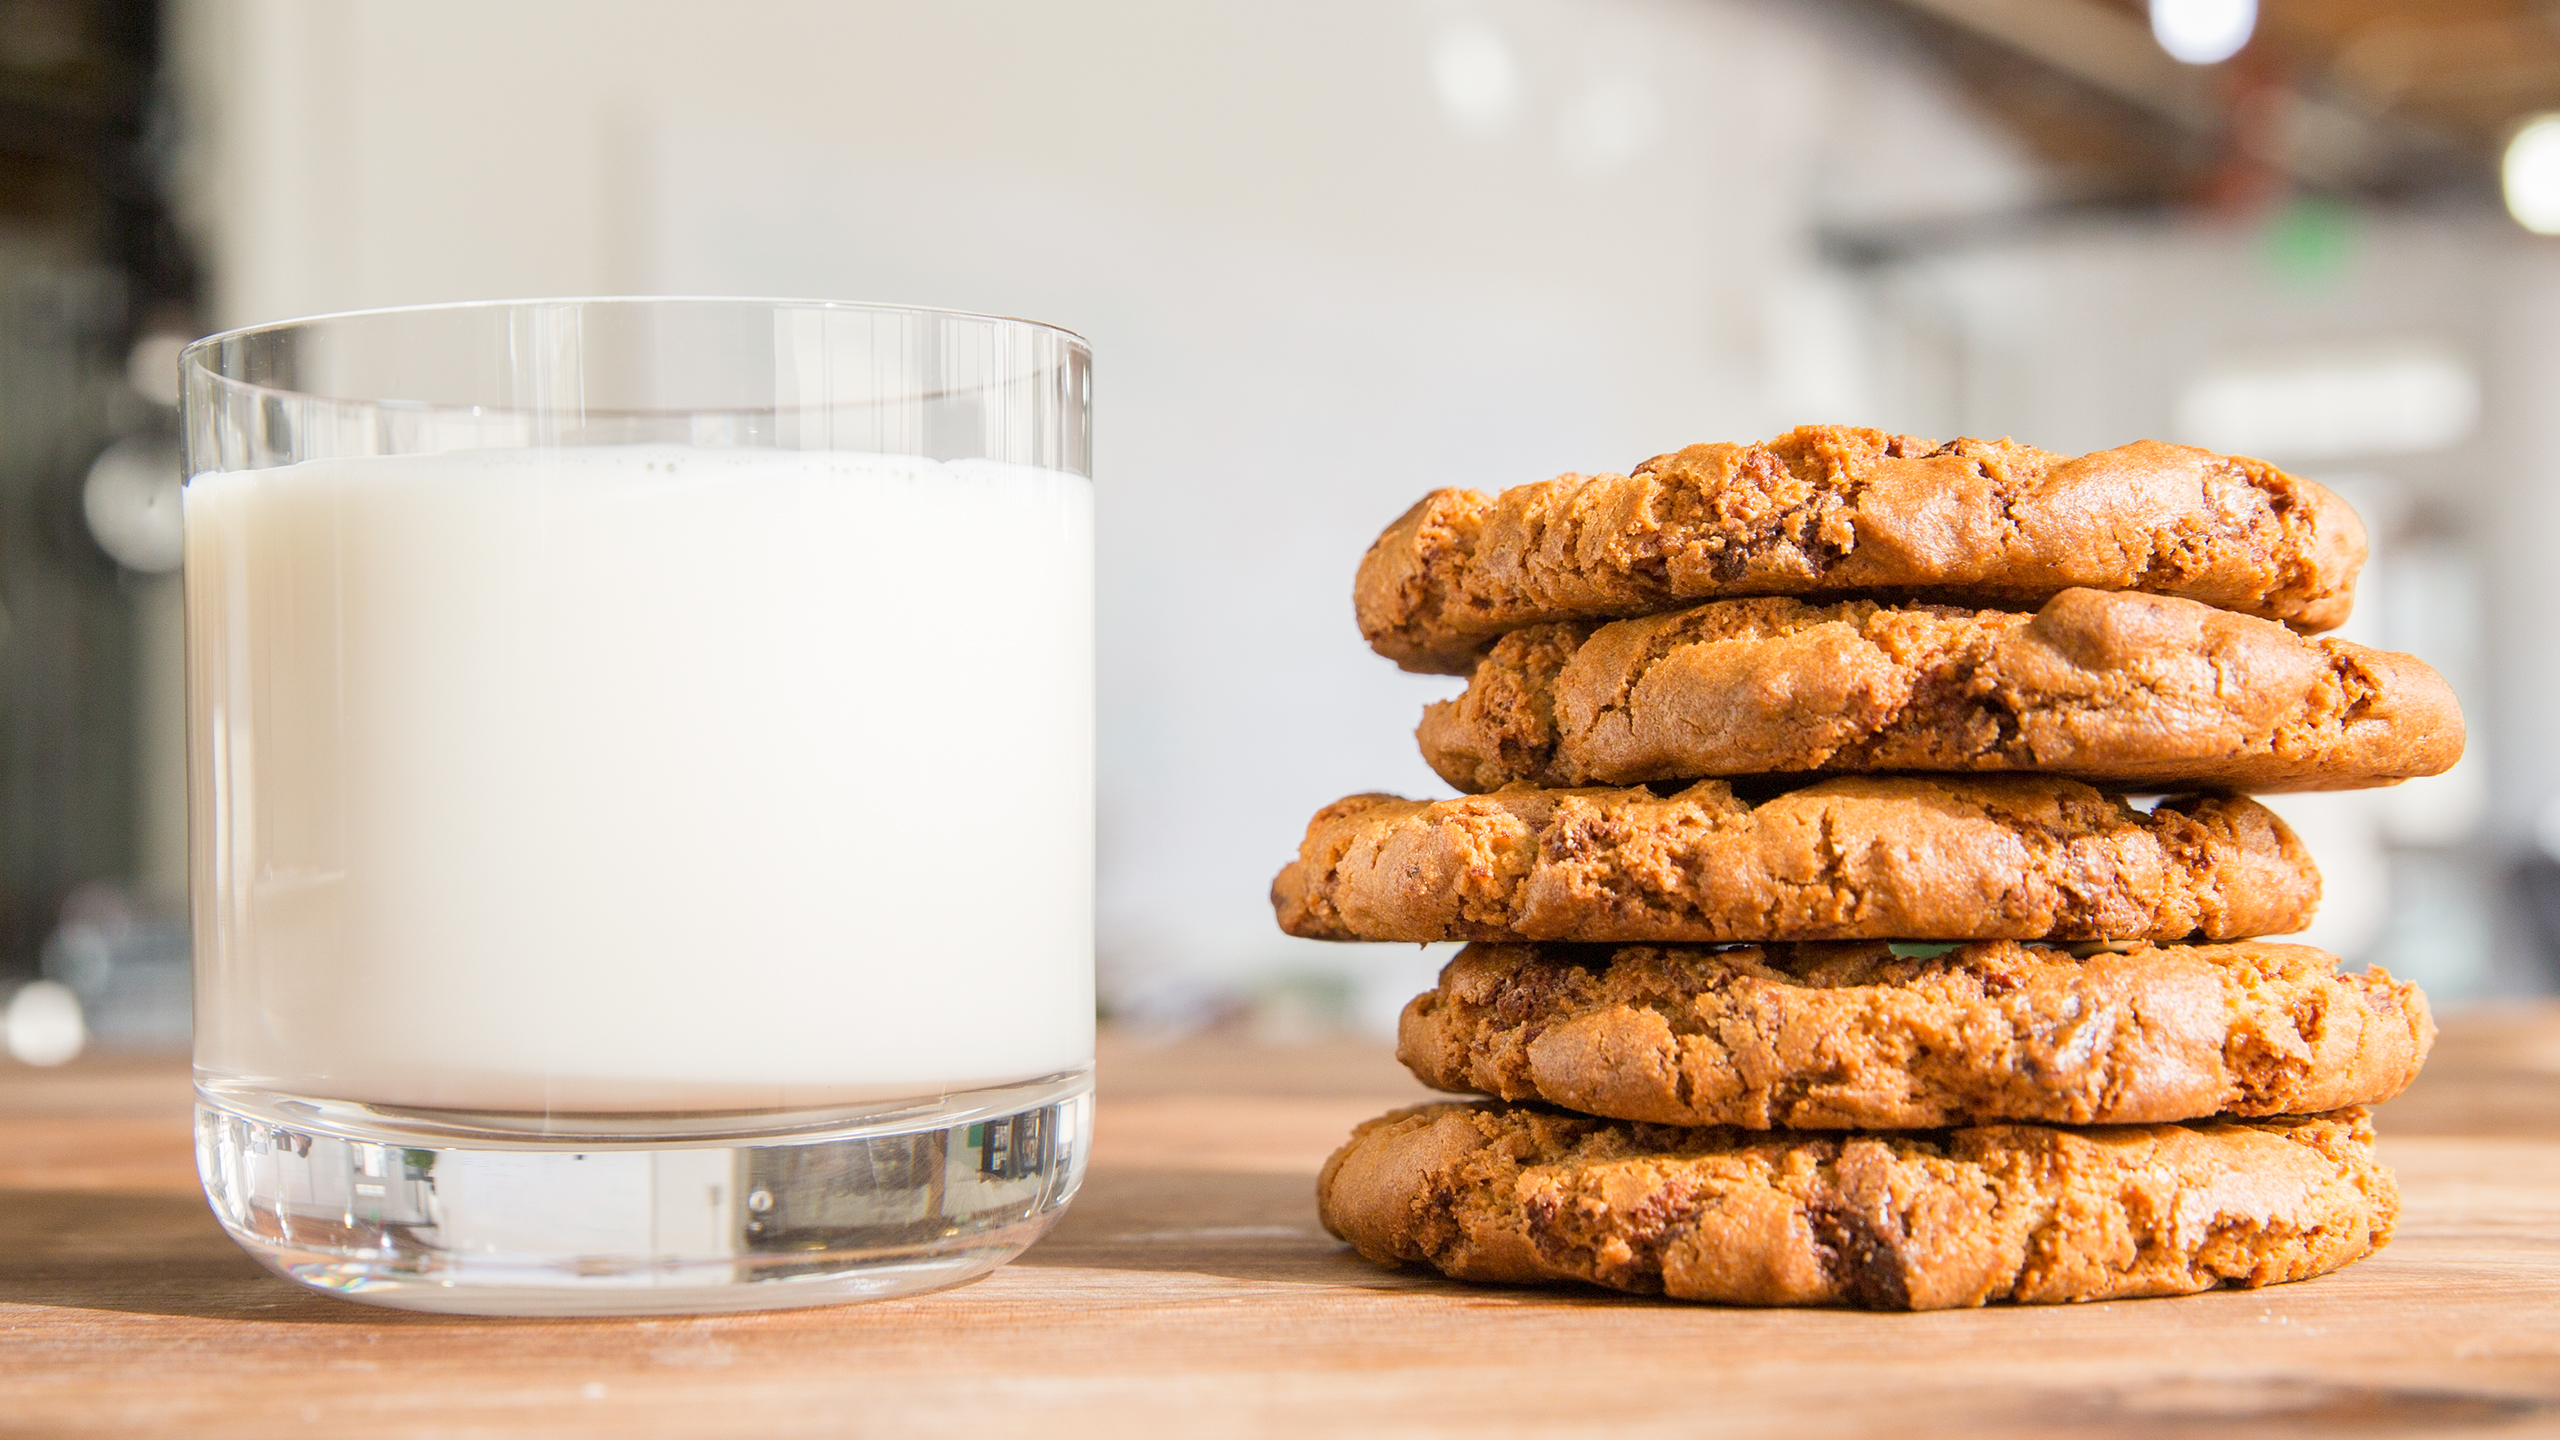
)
(1926, 1221)
(1854, 857)
(1810, 1037)
(2140, 690)
(1833, 510)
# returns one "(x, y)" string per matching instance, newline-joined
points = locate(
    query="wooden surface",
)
(1190, 1291)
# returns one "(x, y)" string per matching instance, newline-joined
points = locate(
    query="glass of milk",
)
(642, 798)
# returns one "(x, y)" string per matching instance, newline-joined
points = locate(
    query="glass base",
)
(635, 1216)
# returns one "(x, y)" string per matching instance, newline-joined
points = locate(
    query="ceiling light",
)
(2531, 175)
(1478, 83)
(2203, 32)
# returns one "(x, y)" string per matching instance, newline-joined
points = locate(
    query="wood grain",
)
(1190, 1291)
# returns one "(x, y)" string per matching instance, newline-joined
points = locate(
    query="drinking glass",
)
(641, 790)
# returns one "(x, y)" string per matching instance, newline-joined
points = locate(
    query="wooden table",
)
(1190, 1291)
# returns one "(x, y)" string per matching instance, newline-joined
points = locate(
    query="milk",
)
(640, 778)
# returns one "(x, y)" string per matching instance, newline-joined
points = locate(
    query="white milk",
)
(641, 778)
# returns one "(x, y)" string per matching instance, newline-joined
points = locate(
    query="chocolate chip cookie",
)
(1853, 857)
(1813, 1037)
(2139, 690)
(1924, 1221)
(1836, 510)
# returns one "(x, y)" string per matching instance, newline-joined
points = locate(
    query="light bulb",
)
(2530, 175)
(2203, 32)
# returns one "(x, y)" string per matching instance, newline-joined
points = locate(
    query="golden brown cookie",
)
(1809, 1037)
(1850, 858)
(1928, 1221)
(2138, 690)
(1829, 509)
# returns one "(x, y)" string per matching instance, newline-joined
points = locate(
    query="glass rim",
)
(191, 357)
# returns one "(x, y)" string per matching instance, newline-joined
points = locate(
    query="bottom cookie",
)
(1927, 1220)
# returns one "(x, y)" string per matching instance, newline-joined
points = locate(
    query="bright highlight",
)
(1478, 82)
(2531, 175)
(2203, 32)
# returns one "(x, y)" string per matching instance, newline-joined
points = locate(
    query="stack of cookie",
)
(1827, 948)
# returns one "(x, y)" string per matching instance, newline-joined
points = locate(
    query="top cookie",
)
(1830, 509)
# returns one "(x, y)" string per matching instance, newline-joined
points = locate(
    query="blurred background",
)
(1330, 255)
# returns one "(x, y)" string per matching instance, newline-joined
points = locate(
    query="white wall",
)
(1315, 288)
